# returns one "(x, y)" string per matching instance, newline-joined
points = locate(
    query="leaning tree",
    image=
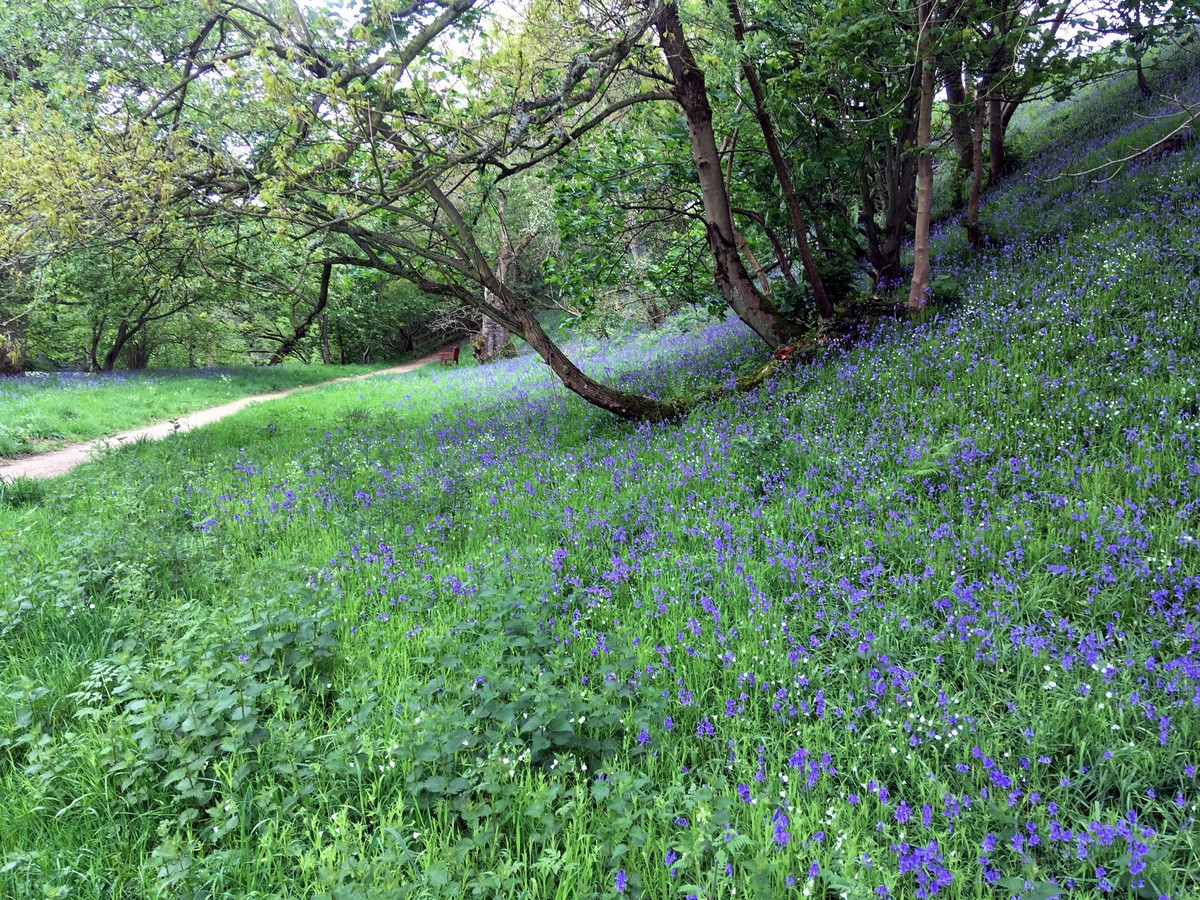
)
(372, 137)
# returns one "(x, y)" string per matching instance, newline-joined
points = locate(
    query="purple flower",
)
(621, 881)
(780, 834)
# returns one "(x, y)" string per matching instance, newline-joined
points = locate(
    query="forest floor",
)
(63, 460)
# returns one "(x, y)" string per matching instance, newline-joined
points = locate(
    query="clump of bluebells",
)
(919, 620)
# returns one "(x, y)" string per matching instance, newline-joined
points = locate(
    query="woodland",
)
(194, 182)
(813, 512)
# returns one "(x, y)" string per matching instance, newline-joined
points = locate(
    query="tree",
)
(377, 315)
(104, 303)
(733, 281)
(852, 71)
(12, 325)
(919, 288)
(782, 169)
(629, 222)
(1145, 25)
(494, 342)
(359, 130)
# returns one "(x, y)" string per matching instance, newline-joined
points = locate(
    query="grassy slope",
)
(920, 618)
(41, 412)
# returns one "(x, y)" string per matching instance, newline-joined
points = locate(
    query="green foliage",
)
(612, 265)
(842, 276)
(20, 492)
(385, 314)
(946, 291)
(186, 728)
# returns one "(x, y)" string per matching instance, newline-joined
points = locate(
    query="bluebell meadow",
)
(918, 619)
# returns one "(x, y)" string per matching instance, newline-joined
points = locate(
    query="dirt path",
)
(59, 462)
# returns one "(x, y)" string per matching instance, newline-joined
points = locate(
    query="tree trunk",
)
(137, 357)
(299, 331)
(764, 284)
(1143, 84)
(110, 358)
(893, 167)
(996, 73)
(781, 257)
(403, 342)
(782, 173)
(94, 346)
(896, 180)
(633, 407)
(870, 228)
(960, 115)
(996, 162)
(732, 279)
(494, 342)
(901, 182)
(974, 236)
(654, 315)
(12, 327)
(323, 322)
(918, 291)
(12, 346)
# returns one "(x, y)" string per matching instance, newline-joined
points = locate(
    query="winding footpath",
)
(59, 462)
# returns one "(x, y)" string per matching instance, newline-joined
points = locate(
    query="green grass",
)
(922, 616)
(42, 412)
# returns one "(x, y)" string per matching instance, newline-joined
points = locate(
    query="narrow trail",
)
(59, 462)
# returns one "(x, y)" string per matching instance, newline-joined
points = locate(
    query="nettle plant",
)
(195, 717)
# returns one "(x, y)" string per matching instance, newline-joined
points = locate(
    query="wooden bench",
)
(445, 357)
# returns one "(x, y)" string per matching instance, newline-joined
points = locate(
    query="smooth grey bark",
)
(918, 291)
(974, 235)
